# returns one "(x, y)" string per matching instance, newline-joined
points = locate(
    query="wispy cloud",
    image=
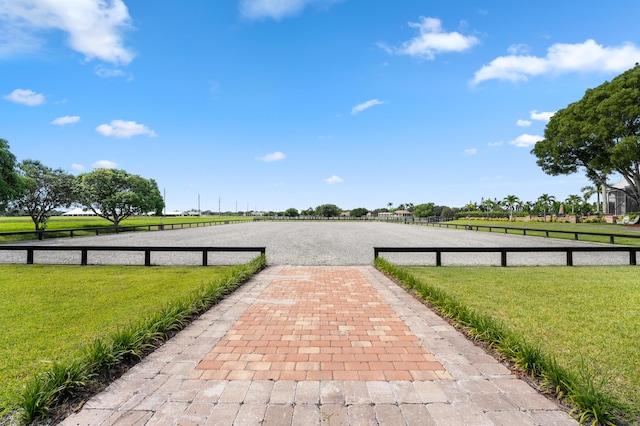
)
(67, 119)
(104, 164)
(274, 156)
(471, 151)
(523, 123)
(109, 72)
(25, 97)
(432, 40)
(541, 116)
(94, 28)
(526, 140)
(333, 179)
(278, 9)
(77, 167)
(124, 129)
(561, 59)
(494, 144)
(365, 105)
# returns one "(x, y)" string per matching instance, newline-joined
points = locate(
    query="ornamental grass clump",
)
(103, 358)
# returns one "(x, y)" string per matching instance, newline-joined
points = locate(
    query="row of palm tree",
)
(544, 204)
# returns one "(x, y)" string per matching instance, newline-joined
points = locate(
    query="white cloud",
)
(494, 144)
(274, 156)
(432, 40)
(471, 151)
(67, 119)
(542, 116)
(94, 28)
(365, 105)
(104, 164)
(333, 179)
(561, 59)
(516, 49)
(526, 140)
(278, 9)
(77, 167)
(25, 97)
(523, 123)
(124, 129)
(105, 72)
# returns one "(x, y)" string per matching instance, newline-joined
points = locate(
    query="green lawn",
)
(603, 228)
(48, 312)
(18, 224)
(571, 312)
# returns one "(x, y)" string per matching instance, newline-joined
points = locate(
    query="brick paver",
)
(319, 345)
(320, 324)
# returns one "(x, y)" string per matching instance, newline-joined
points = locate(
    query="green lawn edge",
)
(72, 381)
(581, 389)
(555, 229)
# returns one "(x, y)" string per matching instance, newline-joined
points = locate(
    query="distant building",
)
(618, 202)
(79, 212)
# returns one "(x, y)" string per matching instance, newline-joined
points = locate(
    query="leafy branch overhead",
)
(599, 134)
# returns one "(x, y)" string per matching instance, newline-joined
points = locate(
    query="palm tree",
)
(546, 201)
(573, 200)
(588, 191)
(470, 207)
(390, 205)
(511, 201)
(489, 205)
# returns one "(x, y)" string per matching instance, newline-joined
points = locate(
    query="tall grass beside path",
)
(70, 327)
(575, 329)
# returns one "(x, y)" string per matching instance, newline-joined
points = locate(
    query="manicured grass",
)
(572, 313)
(10, 224)
(603, 228)
(48, 312)
(21, 224)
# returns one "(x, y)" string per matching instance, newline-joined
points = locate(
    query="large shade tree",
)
(328, 210)
(115, 194)
(424, 210)
(42, 190)
(9, 180)
(599, 134)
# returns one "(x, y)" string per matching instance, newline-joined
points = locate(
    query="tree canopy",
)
(291, 212)
(359, 212)
(9, 181)
(328, 210)
(42, 190)
(599, 133)
(424, 210)
(115, 194)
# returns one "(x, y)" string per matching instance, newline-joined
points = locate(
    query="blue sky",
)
(271, 104)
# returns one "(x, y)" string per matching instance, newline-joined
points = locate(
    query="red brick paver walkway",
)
(310, 322)
(320, 324)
